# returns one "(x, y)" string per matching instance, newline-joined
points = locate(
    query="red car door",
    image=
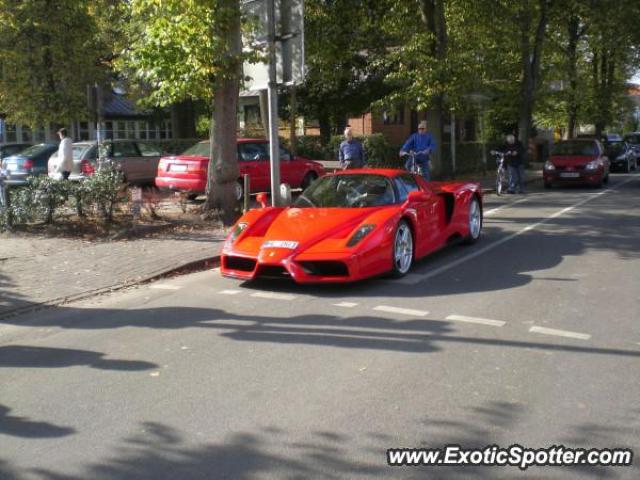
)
(292, 169)
(427, 214)
(253, 161)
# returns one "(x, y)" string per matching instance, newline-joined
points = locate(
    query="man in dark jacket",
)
(514, 155)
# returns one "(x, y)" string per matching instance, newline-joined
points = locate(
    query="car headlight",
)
(593, 165)
(548, 166)
(362, 232)
(235, 233)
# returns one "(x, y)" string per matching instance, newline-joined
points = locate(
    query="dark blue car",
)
(29, 162)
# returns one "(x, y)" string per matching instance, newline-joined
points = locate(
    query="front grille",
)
(240, 263)
(273, 271)
(325, 268)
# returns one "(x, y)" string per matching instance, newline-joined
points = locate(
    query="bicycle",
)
(411, 165)
(502, 180)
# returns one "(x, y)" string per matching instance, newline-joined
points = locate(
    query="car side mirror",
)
(417, 196)
(262, 199)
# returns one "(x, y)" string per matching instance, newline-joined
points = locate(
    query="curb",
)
(190, 267)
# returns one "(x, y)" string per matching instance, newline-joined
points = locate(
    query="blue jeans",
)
(516, 178)
(424, 167)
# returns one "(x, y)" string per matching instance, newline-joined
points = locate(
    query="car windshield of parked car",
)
(614, 149)
(348, 191)
(574, 149)
(79, 151)
(632, 138)
(34, 150)
(200, 149)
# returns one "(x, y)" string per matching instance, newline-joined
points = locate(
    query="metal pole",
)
(245, 193)
(453, 144)
(272, 91)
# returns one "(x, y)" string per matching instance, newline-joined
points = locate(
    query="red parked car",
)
(577, 161)
(188, 172)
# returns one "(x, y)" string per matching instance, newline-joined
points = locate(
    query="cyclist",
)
(514, 153)
(422, 144)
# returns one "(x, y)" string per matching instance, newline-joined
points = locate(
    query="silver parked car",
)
(138, 161)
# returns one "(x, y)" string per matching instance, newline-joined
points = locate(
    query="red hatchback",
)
(188, 172)
(577, 161)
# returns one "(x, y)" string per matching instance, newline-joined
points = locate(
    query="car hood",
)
(309, 224)
(571, 160)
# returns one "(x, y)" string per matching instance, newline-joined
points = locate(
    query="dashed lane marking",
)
(345, 304)
(164, 286)
(229, 292)
(273, 296)
(402, 311)
(478, 320)
(559, 333)
(488, 213)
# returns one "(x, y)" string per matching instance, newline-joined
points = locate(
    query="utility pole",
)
(272, 92)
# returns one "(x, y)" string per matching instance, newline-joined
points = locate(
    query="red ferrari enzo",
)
(351, 225)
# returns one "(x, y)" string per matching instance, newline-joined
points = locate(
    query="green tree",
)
(192, 50)
(48, 54)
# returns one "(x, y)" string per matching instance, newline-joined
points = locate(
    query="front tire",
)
(402, 250)
(474, 222)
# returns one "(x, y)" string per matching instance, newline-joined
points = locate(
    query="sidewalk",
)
(49, 271)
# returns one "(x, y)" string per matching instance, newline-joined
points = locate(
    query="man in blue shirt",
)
(351, 153)
(422, 145)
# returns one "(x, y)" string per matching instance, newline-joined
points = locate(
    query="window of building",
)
(11, 133)
(120, 130)
(26, 135)
(393, 118)
(252, 115)
(142, 130)
(83, 131)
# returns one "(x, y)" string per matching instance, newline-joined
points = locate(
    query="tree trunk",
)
(530, 59)
(325, 127)
(223, 170)
(572, 58)
(433, 16)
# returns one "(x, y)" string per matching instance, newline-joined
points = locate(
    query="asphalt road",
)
(531, 336)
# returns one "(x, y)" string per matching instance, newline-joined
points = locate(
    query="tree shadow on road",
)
(24, 356)
(24, 427)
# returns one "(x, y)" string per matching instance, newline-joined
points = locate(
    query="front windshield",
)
(348, 191)
(614, 148)
(200, 149)
(632, 138)
(33, 150)
(574, 149)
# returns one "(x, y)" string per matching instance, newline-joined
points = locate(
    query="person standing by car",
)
(64, 163)
(514, 153)
(422, 145)
(351, 153)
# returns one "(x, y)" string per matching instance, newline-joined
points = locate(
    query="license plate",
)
(280, 244)
(178, 168)
(570, 174)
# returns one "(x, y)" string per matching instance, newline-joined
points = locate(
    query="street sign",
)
(289, 42)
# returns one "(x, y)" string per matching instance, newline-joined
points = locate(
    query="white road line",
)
(229, 292)
(345, 304)
(273, 296)
(402, 311)
(480, 321)
(164, 286)
(488, 213)
(559, 333)
(497, 243)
